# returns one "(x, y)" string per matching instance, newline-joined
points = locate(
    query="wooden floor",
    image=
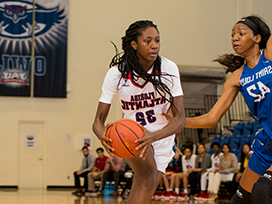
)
(59, 196)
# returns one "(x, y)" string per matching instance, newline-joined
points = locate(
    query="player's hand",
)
(106, 141)
(145, 142)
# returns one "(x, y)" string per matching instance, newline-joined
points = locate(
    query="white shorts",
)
(163, 152)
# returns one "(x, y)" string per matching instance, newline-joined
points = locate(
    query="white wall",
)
(192, 33)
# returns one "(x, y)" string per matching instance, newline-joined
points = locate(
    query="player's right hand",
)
(106, 141)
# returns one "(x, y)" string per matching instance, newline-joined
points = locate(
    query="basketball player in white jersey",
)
(147, 86)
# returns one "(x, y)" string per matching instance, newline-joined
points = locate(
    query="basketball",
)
(123, 134)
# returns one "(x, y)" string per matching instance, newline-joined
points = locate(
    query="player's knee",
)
(149, 183)
(241, 197)
(262, 189)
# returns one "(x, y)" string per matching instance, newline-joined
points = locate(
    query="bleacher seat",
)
(216, 138)
(256, 126)
(252, 137)
(238, 129)
(235, 141)
(224, 140)
(244, 140)
(237, 152)
(248, 128)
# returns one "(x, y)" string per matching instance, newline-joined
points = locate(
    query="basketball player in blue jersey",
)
(147, 86)
(252, 76)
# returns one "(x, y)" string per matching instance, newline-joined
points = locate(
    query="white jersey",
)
(188, 163)
(139, 100)
(215, 162)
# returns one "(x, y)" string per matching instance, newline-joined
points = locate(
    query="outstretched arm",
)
(229, 93)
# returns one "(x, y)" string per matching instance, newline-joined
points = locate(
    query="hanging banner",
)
(16, 30)
(50, 48)
(15, 47)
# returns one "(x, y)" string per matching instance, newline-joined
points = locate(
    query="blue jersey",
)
(255, 86)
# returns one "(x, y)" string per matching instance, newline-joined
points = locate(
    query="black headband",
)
(250, 24)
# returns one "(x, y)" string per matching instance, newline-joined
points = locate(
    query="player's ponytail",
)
(232, 62)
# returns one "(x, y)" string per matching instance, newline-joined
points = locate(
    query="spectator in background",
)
(189, 143)
(202, 163)
(204, 195)
(174, 167)
(86, 167)
(97, 172)
(114, 169)
(245, 155)
(188, 162)
(227, 167)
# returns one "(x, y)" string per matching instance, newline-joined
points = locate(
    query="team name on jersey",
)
(263, 72)
(143, 100)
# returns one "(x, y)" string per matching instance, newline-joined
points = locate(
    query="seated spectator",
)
(227, 167)
(188, 163)
(175, 166)
(114, 169)
(204, 195)
(86, 167)
(189, 143)
(97, 172)
(245, 155)
(202, 163)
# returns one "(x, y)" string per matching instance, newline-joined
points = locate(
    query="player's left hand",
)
(145, 142)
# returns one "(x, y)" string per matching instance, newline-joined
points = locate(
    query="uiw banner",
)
(48, 26)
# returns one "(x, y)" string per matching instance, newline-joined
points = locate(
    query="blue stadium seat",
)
(216, 138)
(252, 137)
(238, 155)
(237, 152)
(244, 140)
(224, 140)
(235, 141)
(256, 126)
(248, 128)
(245, 137)
(210, 152)
(238, 129)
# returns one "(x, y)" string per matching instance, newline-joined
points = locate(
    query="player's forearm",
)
(98, 128)
(204, 121)
(174, 126)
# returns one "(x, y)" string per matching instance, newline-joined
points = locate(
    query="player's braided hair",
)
(127, 62)
(232, 62)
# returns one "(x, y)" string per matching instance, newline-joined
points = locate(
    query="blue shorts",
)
(261, 159)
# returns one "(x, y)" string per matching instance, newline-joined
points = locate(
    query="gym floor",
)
(64, 196)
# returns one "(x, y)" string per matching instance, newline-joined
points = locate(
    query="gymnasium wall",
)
(192, 33)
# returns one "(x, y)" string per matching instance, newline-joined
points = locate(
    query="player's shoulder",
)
(114, 70)
(234, 79)
(168, 66)
(168, 63)
(113, 74)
